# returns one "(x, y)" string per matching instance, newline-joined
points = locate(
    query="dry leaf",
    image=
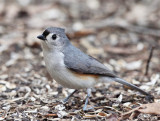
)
(151, 108)
(101, 114)
(54, 115)
(89, 116)
(81, 33)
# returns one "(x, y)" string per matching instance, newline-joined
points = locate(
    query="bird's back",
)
(78, 61)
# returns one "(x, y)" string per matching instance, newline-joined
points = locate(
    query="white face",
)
(53, 41)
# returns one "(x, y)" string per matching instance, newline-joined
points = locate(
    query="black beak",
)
(41, 37)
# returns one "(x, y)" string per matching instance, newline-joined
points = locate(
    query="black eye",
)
(54, 36)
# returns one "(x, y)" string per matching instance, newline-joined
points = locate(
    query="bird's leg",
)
(86, 101)
(66, 99)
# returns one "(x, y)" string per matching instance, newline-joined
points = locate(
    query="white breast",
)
(58, 71)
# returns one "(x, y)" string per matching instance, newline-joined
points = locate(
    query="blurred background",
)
(120, 33)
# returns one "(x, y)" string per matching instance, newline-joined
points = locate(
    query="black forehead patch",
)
(45, 33)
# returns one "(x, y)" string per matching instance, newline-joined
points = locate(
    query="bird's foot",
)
(67, 98)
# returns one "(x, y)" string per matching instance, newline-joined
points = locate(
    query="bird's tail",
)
(148, 97)
(119, 80)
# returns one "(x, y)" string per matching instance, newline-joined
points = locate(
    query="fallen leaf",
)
(89, 116)
(102, 114)
(151, 108)
(81, 33)
(52, 114)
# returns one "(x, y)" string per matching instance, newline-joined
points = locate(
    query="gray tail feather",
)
(119, 80)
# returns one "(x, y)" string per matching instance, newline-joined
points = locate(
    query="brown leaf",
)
(89, 116)
(102, 114)
(81, 33)
(151, 108)
(51, 114)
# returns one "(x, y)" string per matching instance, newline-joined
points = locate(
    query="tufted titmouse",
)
(72, 68)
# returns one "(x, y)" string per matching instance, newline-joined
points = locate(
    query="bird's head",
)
(53, 38)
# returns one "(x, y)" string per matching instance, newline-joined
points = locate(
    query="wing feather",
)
(78, 61)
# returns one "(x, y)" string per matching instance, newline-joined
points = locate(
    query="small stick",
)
(149, 59)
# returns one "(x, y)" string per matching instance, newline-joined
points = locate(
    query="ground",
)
(123, 34)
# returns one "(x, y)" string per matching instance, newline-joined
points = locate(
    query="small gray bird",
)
(72, 68)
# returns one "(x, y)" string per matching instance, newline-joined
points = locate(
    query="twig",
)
(149, 59)
(121, 23)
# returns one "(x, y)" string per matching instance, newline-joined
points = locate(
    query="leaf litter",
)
(27, 92)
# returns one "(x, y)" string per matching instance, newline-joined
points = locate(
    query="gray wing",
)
(78, 61)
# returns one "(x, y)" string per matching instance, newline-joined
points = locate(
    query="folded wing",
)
(77, 61)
